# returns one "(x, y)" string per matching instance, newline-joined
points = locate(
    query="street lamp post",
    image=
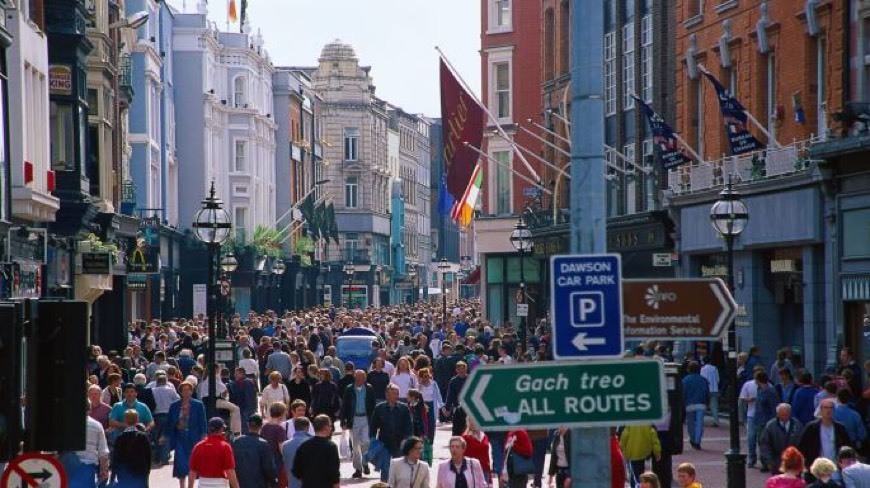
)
(278, 270)
(212, 227)
(229, 263)
(444, 267)
(729, 216)
(349, 269)
(521, 239)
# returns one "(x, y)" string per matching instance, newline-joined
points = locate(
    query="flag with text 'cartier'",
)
(462, 122)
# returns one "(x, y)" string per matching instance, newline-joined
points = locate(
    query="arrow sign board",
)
(565, 393)
(34, 470)
(688, 309)
(586, 306)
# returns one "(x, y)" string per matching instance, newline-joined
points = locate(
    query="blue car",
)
(355, 346)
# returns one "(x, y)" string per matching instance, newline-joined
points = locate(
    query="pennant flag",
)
(462, 122)
(669, 153)
(445, 199)
(333, 225)
(233, 16)
(463, 210)
(735, 119)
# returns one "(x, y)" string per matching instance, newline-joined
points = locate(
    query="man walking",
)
(779, 433)
(243, 394)
(357, 406)
(391, 424)
(451, 406)
(164, 396)
(711, 374)
(301, 427)
(855, 474)
(325, 471)
(84, 467)
(255, 465)
(131, 459)
(824, 436)
(696, 394)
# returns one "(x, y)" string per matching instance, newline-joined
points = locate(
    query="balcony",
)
(767, 164)
(128, 198)
(125, 79)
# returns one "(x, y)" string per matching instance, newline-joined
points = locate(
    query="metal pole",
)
(444, 298)
(590, 453)
(735, 461)
(523, 326)
(212, 336)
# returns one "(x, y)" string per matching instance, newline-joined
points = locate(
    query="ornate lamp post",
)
(521, 239)
(444, 268)
(729, 217)
(349, 270)
(229, 263)
(212, 227)
(278, 270)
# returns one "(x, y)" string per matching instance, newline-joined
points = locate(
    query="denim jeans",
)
(752, 441)
(695, 425)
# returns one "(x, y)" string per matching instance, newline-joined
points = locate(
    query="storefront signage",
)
(145, 257)
(137, 281)
(99, 263)
(550, 246)
(643, 237)
(714, 271)
(784, 266)
(60, 79)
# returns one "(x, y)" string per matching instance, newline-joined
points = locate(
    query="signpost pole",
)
(590, 453)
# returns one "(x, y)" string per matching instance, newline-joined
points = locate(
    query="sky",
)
(397, 38)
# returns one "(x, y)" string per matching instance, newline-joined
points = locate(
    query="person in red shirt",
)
(212, 459)
(477, 447)
(518, 444)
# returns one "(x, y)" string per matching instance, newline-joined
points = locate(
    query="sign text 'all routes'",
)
(569, 394)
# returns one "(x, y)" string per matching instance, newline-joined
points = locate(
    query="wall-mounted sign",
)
(784, 266)
(96, 263)
(145, 257)
(60, 79)
(137, 281)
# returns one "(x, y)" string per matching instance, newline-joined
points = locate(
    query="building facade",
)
(783, 61)
(224, 108)
(356, 163)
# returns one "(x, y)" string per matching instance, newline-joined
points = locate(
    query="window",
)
(240, 224)
(630, 178)
(549, 44)
(649, 178)
(239, 92)
(502, 187)
(610, 73)
(696, 7)
(503, 13)
(62, 129)
(628, 65)
(351, 192)
(351, 144)
(646, 58)
(503, 90)
(239, 159)
(821, 60)
(565, 37)
(351, 245)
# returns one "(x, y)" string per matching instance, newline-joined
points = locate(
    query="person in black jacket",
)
(324, 472)
(347, 379)
(243, 393)
(810, 444)
(131, 459)
(560, 459)
(356, 417)
(391, 424)
(379, 379)
(255, 465)
(451, 406)
(325, 396)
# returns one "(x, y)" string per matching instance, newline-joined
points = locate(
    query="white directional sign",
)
(586, 306)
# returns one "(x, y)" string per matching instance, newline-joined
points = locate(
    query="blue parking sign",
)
(586, 306)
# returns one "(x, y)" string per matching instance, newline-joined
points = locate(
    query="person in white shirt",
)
(503, 356)
(222, 403)
(748, 394)
(83, 467)
(404, 378)
(252, 368)
(711, 374)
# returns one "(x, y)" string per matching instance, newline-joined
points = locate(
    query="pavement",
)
(709, 461)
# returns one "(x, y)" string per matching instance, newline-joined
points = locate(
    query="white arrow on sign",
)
(580, 341)
(728, 308)
(477, 398)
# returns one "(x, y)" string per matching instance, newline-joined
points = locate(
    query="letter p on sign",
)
(587, 309)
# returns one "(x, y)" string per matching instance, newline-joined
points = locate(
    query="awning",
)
(856, 287)
(473, 278)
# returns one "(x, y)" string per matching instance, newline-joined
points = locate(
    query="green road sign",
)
(566, 394)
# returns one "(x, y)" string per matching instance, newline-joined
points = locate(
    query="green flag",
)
(307, 208)
(333, 225)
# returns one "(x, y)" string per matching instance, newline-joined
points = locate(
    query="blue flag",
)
(668, 149)
(735, 119)
(445, 199)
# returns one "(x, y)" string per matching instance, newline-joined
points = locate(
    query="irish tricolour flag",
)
(463, 210)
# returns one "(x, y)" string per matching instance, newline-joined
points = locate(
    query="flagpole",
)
(492, 118)
(548, 131)
(539, 158)
(522, 176)
(689, 148)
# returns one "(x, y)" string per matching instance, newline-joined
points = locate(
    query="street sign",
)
(586, 306)
(685, 309)
(565, 394)
(522, 310)
(662, 260)
(32, 470)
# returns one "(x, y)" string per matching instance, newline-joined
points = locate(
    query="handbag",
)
(520, 465)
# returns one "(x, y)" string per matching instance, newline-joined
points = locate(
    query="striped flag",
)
(463, 210)
(233, 15)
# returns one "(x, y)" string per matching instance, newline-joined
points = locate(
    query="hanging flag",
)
(244, 15)
(445, 199)
(669, 152)
(735, 119)
(463, 210)
(232, 15)
(462, 122)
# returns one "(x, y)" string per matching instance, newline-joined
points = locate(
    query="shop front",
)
(644, 243)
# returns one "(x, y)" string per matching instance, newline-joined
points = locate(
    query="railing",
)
(769, 163)
(125, 71)
(540, 219)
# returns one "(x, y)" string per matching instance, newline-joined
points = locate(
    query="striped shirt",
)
(95, 443)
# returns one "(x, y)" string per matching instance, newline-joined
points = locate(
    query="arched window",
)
(549, 44)
(239, 92)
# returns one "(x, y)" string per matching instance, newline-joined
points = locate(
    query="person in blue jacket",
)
(185, 426)
(696, 395)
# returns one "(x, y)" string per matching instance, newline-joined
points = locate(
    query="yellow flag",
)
(233, 16)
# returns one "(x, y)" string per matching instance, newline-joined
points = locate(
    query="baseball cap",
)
(216, 424)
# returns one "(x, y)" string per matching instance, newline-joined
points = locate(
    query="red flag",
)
(461, 122)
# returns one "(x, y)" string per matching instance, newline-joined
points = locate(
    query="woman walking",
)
(324, 396)
(274, 392)
(477, 447)
(460, 470)
(792, 466)
(409, 471)
(185, 426)
(431, 397)
(518, 459)
(638, 443)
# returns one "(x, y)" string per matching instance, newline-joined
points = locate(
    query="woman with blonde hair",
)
(649, 480)
(404, 378)
(823, 469)
(274, 392)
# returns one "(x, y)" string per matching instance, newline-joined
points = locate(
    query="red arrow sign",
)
(685, 309)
